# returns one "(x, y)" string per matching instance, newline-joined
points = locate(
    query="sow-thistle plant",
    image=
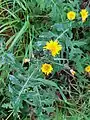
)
(46, 68)
(25, 89)
(54, 47)
(71, 15)
(87, 69)
(84, 14)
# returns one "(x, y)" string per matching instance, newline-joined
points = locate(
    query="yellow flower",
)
(46, 68)
(72, 72)
(87, 69)
(26, 60)
(53, 46)
(71, 15)
(84, 14)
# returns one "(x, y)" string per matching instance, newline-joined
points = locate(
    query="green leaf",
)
(7, 105)
(50, 109)
(78, 43)
(53, 84)
(14, 80)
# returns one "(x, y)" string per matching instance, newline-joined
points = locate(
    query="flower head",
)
(87, 69)
(84, 14)
(26, 60)
(71, 15)
(46, 68)
(53, 46)
(72, 72)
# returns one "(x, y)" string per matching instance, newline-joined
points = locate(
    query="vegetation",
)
(44, 60)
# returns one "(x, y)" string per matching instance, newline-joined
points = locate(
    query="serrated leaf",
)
(7, 105)
(78, 43)
(50, 109)
(14, 80)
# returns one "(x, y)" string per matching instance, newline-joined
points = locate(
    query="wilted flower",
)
(26, 60)
(72, 72)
